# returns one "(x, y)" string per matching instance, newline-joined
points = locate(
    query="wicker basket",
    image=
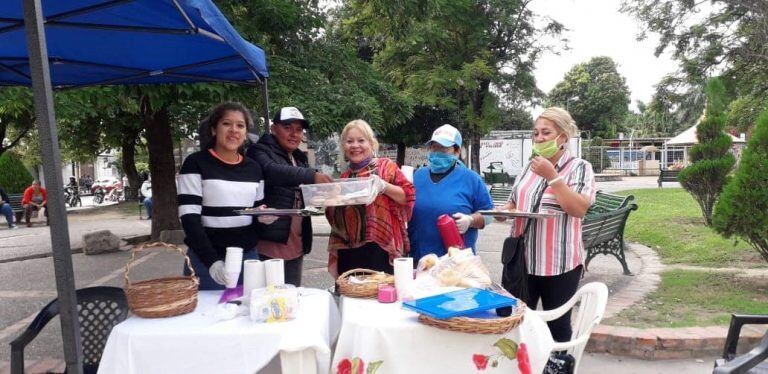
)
(478, 325)
(163, 297)
(365, 290)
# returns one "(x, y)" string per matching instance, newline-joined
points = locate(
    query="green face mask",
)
(546, 149)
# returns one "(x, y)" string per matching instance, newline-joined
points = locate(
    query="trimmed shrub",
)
(743, 207)
(14, 176)
(711, 160)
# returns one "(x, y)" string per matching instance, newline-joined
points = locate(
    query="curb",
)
(668, 343)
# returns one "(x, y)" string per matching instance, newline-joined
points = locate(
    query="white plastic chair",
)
(593, 297)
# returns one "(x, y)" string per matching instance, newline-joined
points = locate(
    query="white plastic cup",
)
(253, 276)
(233, 264)
(403, 267)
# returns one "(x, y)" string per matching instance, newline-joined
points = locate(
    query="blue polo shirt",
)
(461, 191)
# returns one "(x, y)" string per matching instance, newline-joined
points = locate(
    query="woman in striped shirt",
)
(562, 184)
(212, 184)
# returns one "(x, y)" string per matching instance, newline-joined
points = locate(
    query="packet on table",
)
(274, 304)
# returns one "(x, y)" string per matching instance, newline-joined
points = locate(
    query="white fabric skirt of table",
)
(200, 343)
(372, 331)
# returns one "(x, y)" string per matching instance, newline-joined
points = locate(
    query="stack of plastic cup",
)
(233, 263)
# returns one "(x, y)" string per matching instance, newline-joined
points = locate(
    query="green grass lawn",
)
(693, 298)
(669, 220)
(123, 207)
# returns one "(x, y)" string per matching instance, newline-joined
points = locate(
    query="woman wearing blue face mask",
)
(446, 186)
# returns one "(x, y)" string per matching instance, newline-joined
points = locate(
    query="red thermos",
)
(449, 232)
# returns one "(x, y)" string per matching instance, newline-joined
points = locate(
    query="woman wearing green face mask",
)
(446, 187)
(554, 181)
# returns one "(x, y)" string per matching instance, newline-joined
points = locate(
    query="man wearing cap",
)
(446, 186)
(285, 167)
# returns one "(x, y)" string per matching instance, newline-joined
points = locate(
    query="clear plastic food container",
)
(352, 191)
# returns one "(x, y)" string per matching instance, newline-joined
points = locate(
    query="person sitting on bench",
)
(5, 208)
(35, 198)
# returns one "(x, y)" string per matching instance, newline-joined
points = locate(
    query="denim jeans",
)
(148, 207)
(206, 282)
(7, 211)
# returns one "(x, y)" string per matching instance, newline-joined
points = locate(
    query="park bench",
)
(500, 194)
(603, 233)
(667, 176)
(14, 200)
(606, 202)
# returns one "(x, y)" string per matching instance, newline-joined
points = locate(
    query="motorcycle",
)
(98, 195)
(72, 196)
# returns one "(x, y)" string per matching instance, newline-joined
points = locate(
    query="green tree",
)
(315, 71)
(727, 37)
(648, 124)
(679, 99)
(595, 94)
(14, 176)
(744, 111)
(467, 57)
(16, 116)
(711, 158)
(743, 206)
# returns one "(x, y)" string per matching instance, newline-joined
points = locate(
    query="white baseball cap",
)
(290, 114)
(447, 136)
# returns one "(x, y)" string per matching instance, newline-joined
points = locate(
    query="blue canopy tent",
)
(49, 44)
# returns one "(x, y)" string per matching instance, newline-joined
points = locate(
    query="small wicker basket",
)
(364, 290)
(162, 297)
(478, 325)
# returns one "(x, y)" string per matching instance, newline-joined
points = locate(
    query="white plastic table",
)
(199, 343)
(391, 337)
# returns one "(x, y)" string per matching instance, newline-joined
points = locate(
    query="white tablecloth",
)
(198, 343)
(372, 332)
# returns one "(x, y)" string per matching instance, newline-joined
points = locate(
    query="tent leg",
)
(51, 155)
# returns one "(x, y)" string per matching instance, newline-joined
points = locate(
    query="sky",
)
(597, 28)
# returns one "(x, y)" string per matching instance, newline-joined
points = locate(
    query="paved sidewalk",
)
(25, 242)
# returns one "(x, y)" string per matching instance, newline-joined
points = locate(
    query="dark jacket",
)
(282, 180)
(4, 196)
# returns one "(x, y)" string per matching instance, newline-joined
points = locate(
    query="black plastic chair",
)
(98, 310)
(751, 362)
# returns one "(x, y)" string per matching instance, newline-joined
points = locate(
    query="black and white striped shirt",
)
(209, 192)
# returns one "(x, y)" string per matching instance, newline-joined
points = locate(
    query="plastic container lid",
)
(351, 191)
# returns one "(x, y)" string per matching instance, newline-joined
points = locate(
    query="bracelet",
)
(558, 179)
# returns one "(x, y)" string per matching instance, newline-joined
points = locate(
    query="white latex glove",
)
(378, 184)
(267, 220)
(218, 273)
(462, 221)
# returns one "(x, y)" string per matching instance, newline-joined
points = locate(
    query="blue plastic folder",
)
(459, 303)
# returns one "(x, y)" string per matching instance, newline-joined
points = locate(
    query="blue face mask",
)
(440, 162)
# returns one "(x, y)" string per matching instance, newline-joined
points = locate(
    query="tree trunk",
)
(128, 146)
(475, 132)
(475, 152)
(400, 153)
(162, 168)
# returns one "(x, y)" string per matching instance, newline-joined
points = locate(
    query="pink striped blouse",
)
(553, 245)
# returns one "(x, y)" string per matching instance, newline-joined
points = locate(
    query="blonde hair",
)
(364, 128)
(562, 119)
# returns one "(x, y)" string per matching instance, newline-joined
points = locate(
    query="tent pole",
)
(51, 155)
(265, 101)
